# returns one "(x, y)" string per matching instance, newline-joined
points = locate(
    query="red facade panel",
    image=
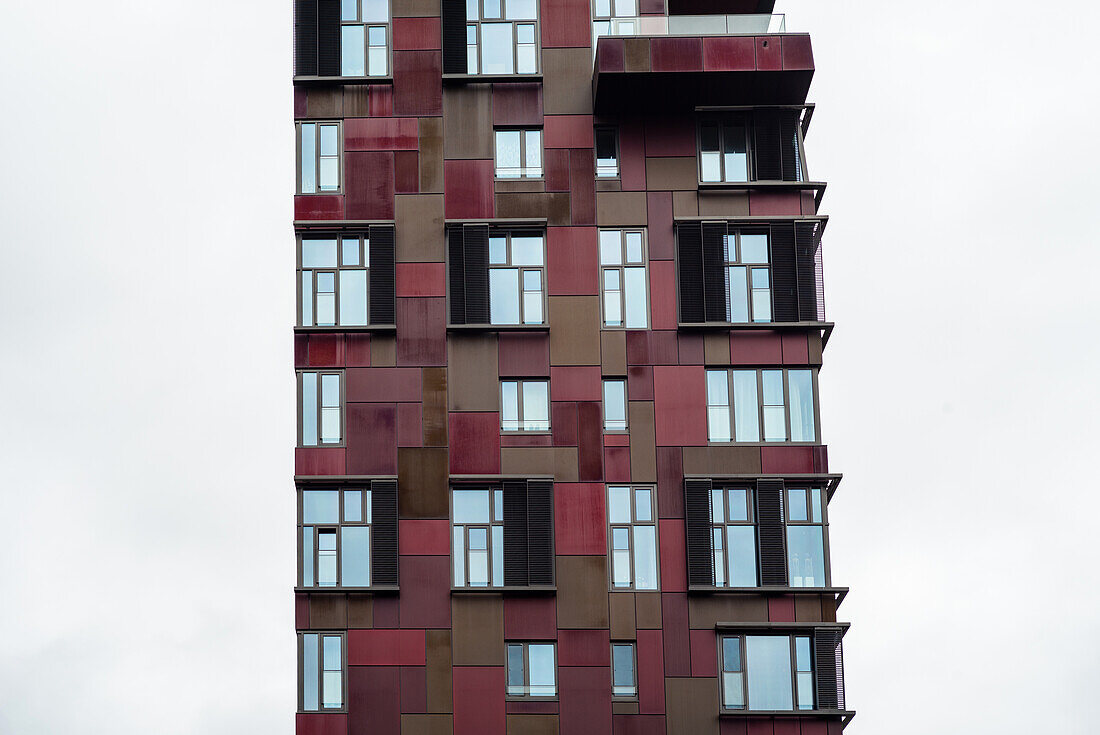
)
(414, 690)
(319, 461)
(584, 699)
(781, 609)
(651, 672)
(787, 460)
(589, 444)
(679, 406)
(415, 34)
(769, 53)
(409, 426)
(425, 538)
(406, 176)
(568, 131)
(662, 290)
(369, 183)
(517, 104)
(530, 618)
(704, 653)
(475, 443)
(479, 700)
(638, 725)
(320, 724)
(632, 160)
(386, 648)
(417, 83)
(673, 555)
(584, 648)
(425, 600)
(325, 350)
(571, 261)
(422, 331)
(610, 55)
(674, 617)
(373, 701)
(796, 349)
(372, 439)
(676, 54)
(523, 355)
(797, 53)
(616, 462)
(381, 134)
(576, 383)
(582, 185)
(468, 191)
(563, 424)
(357, 348)
(730, 53)
(383, 385)
(565, 23)
(774, 203)
(421, 279)
(639, 383)
(580, 521)
(756, 348)
(318, 206)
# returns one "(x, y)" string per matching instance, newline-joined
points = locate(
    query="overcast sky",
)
(146, 552)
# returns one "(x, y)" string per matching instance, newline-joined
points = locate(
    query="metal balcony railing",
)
(690, 25)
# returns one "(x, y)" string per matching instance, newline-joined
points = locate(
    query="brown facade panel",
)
(643, 442)
(636, 54)
(724, 204)
(427, 724)
(567, 81)
(532, 725)
(621, 610)
(621, 208)
(431, 155)
(438, 670)
(383, 351)
(415, 8)
(706, 611)
(691, 706)
(613, 353)
(477, 629)
(434, 413)
(716, 349)
(360, 610)
(324, 102)
(685, 204)
(670, 174)
(582, 592)
(328, 611)
(473, 382)
(574, 330)
(422, 483)
(523, 205)
(356, 101)
(420, 234)
(468, 121)
(721, 460)
(647, 610)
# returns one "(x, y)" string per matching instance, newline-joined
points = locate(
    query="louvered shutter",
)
(784, 273)
(700, 560)
(515, 533)
(381, 274)
(305, 38)
(788, 145)
(328, 38)
(771, 533)
(714, 281)
(540, 532)
(689, 243)
(475, 248)
(766, 146)
(454, 36)
(383, 532)
(456, 263)
(806, 266)
(829, 669)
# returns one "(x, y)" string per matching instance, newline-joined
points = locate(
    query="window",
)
(321, 672)
(748, 278)
(524, 405)
(614, 18)
(502, 40)
(364, 30)
(531, 670)
(333, 283)
(478, 536)
(336, 527)
(724, 151)
(614, 405)
(767, 672)
(519, 154)
(517, 275)
(624, 682)
(762, 145)
(806, 533)
(747, 405)
(733, 534)
(319, 148)
(631, 516)
(607, 153)
(623, 278)
(320, 407)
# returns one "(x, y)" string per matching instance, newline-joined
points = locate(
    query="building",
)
(560, 319)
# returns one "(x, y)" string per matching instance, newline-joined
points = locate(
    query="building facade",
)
(560, 319)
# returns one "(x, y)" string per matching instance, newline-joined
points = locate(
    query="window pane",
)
(733, 691)
(376, 11)
(606, 156)
(775, 428)
(353, 49)
(773, 387)
(330, 174)
(718, 424)
(806, 556)
(717, 390)
(307, 298)
(532, 307)
(308, 161)
(509, 405)
(633, 247)
(731, 654)
(541, 658)
(504, 295)
(622, 663)
(805, 690)
(645, 557)
(536, 406)
(349, 10)
(377, 61)
(355, 556)
(353, 297)
(769, 672)
(326, 558)
(471, 506)
(796, 503)
(735, 158)
(497, 547)
(643, 504)
(331, 660)
(739, 295)
(618, 505)
(473, 10)
(349, 251)
(318, 253)
(739, 504)
(515, 668)
(802, 653)
(614, 405)
(612, 309)
(307, 556)
(498, 250)
(320, 506)
(333, 694)
(353, 506)
(754, 248)
(309, 409)
(329, 141)
(310, 673)
(330, 425)
(611, 249)
(479, 567)
(527, 250)
(326, 306)
(742, 556)
(762, 305)
(746, 418)
(636, 311)
(815, 504)
(496, 48)
(520, 10)
(458, 554)
(717, 507)
(508, 158)
(533, 152)
(802, 406)
(719, 557)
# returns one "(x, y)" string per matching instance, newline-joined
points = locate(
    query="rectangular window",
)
(624, 681)
(733, 537)
(517, 278)
(614, 405)
(614, 18)
(502, 37)
(519, 154)
(806, 536)
(320, 406)
(724, 150)
(333, 280)
(748, 277)
(607, 153)
(321, 672)
(477, 532)
(531, 670)
(770, 405)
(525, 405)
(320, 146)
(633, 537)
(336, 538)
(767, 672)
(623, 278)
(364, 34)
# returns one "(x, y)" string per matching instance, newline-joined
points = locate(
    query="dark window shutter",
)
(784, 274)
(766, 146)
(689, 243)
(305, 38)
(788, 145)
(476, 260)
(328, 38)
(381, 274)
(383, 532)
(457, 275)
(454, 36)
(771, 533)
(540, 532)
(700, 560)
(714, 281)
(829, 666)
(515, 533)
(806, 265)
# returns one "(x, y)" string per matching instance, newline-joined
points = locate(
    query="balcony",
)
(693, 60)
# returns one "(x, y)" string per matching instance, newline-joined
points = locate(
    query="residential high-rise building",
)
(560, 319)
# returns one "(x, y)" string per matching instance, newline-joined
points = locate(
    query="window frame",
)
(613, 131)
(632, 545)
(823, 495)
(615, 23)
(321, 635)
(734, 233)
(634, 671)
(367, 25)
(523, 175)
(742, 636)
(320, 399)
(509, 234)
(622, 267)
(527, 696)
(761, 406)
(723, 528)
(520, 382)
(298, 125)
(721, 122)
(364, 260)
(366, 513)
(481, 20)
(496, 498)
(626, 405)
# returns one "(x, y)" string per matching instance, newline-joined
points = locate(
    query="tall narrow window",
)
(748, 277)
(531, 670)
(525, 405)
(631, 515)
(517, 277)
(614, 405)
(320, 408)
(767, 673)
(519, 154)
(364, 34)
(624, 679)
(724, 151)
(623, 278)
(776, 404)
(319, 150)
(607, 153)
(806, 529)
(502, 37)
(478, 537)
(321, 672)
(333, 287)
(733, 537)
(336, 538)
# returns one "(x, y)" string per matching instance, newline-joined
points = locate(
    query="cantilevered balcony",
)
(698, 60)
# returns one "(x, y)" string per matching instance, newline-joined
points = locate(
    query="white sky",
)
(146, 553)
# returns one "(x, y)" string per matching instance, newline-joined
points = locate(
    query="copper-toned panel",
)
(613, 353)
(438, 670)
(434, 413)
(426, 724)
(532, 725)
(647, 610)
(468, 121)
(705, 611)
(431, 155)
(643, 443)
(582, 592)
(477, 621)
(691, 706)
(360, 610)
(575, 330)
(622, 208)
(621, 610)
(473, 384)
(328, 611)
(721, 460)
(422, 483)
(567, 81)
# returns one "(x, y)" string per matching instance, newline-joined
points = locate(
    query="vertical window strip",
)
(321, 671)
(624, 680)
(477, 527)
(807, 530)
(614, 404)
(623, 279)
(724, 150)
(502, 37)
(319, 146)
(321, 408)
(733, 534)
(607, 153)
(633, 537)
(336, 529)
(334, 280)
(517, 277)
(518, 153)
(364, 38)
(748, 277)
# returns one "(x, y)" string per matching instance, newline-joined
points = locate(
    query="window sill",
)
(764, 444)
(311, 80)
(341, 711)
(826, 328)
(818, 187)
(551, 589)
(845, 714)
(341, 445)
(460, 78)
(838, 593)
(524, 432)
(498, 327)
(325, 590)
(521, 698)
(364, 328)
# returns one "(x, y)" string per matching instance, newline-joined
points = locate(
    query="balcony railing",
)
(690, 25)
